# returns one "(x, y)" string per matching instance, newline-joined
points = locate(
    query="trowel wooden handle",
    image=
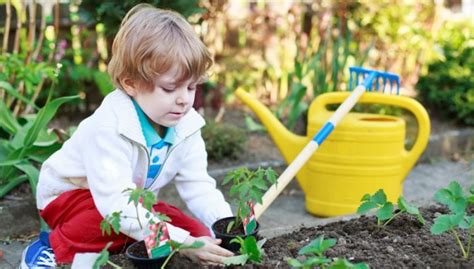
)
(290, 172)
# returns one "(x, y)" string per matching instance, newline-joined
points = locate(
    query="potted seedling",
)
(313, 255)
(250, 251)
(458, 218)
(156, 250)
(247, 189)
(385, 210)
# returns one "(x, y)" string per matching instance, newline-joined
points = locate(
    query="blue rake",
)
(368, 79)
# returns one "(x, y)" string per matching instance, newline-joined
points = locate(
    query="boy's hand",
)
(209, 254)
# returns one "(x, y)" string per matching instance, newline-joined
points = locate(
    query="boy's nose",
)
(183, 97)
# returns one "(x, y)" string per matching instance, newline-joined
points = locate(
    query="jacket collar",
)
(129, 124)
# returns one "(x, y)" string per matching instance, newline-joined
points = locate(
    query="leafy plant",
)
(247, 188)
(457, 201)
(448, 85)
(111, 13)
(385, 208)
(250, 250)
(314, 253)
(223, 140)
(25, 141)
(112, 222)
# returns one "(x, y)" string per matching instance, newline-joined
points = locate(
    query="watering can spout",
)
(287, 142)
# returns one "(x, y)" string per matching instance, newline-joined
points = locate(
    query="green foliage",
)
(178, 247)
(248, 187)
(250, 250)
(320, 69)
(448, 86)
(25, 141)
(103, 258)
(314, 256)
(223, 140)
(147, 199)
(111, 13)
(111, 222)
(457, 201)
(384, 208)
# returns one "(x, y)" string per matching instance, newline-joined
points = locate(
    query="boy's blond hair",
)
(150, 41)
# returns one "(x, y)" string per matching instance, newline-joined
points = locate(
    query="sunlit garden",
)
(244, 134)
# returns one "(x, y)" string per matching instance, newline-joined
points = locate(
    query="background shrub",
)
(448, 87)
(223, 140)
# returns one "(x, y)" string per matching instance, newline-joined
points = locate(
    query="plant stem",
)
(138, 218)
(390, 219)
(469, 241)
(464, 254)
(113, 264)
(169, 258)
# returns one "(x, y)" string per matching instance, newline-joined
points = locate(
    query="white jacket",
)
(107, 154)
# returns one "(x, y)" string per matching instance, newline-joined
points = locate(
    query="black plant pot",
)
(142, 262)
(219, 229)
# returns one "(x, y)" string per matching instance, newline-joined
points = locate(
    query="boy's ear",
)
(129, 86)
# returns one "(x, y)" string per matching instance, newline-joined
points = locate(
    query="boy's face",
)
(168, 102)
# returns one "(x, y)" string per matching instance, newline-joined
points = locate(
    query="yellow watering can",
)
(366, 152)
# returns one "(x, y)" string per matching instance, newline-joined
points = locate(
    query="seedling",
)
(457, 202)
(314, 254)
(112, 222)
(385, 208)
(250, 250)
(248, 188)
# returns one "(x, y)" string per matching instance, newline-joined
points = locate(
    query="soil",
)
(221, 227)
(404, 243)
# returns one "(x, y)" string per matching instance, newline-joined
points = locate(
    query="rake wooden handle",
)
(292, 169)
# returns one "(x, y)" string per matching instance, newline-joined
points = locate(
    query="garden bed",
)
(404, 243)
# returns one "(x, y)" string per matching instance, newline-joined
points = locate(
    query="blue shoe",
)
(38, 254)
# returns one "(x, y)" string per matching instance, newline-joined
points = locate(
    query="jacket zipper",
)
(166, 158)
(148, 157)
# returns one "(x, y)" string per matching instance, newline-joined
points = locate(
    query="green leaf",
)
(105, 227)
(444, 223)
(31, 172)
(365, 207)
(318, 246)
(294, 263)
(366, 197)
(312, 261)
(404, 206)
(385, 212)
(453, 197)
(467, 222)
(13, 92)
(379, 197)
(271, 175)
(7, 121)
(260, 183)
(251, 248)
(236, 260)
(111, 222)
(44, 117)
(339, 263)
(103, 257)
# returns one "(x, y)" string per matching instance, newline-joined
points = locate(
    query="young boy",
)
(144, 134)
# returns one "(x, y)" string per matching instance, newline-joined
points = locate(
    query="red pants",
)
(75, 225)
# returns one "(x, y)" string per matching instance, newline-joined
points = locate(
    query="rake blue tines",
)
(370, 78)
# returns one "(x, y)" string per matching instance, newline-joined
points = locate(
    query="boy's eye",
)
(193, 88)
(167, 90)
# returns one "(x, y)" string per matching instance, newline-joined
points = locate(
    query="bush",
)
(223, 140)
(448, 87)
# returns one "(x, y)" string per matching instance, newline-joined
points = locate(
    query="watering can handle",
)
(407, 103)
